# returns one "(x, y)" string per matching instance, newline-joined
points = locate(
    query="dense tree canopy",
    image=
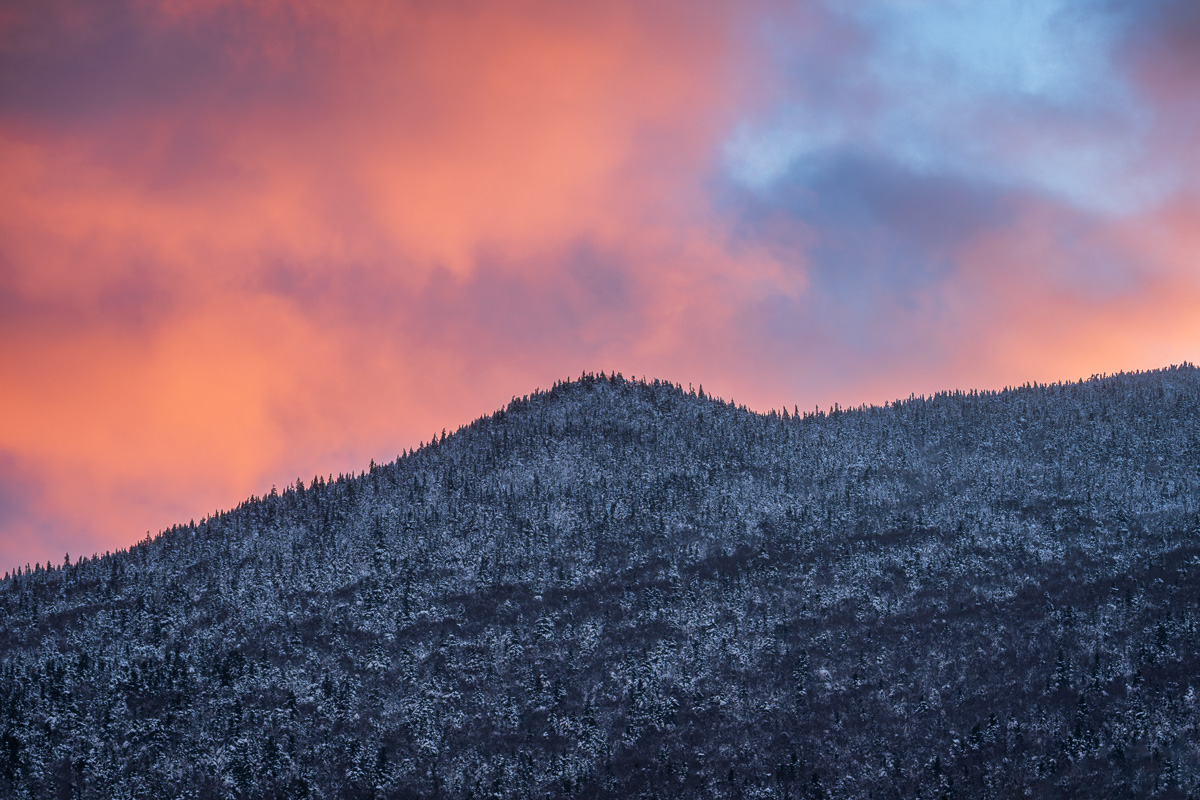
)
(620, 588)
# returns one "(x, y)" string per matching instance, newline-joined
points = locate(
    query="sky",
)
(248, 241)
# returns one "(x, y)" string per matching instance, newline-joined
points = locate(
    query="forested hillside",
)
(622, 589)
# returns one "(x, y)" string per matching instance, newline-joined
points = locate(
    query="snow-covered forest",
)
(622, 588)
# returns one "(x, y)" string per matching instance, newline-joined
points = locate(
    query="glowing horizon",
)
(243, 243)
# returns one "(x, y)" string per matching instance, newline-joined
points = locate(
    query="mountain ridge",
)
(618, 587)
(587, 379)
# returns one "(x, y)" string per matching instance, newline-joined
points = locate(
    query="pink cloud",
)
(346, 231)
(242, 243)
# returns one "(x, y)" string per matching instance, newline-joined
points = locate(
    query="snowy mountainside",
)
(622, 589)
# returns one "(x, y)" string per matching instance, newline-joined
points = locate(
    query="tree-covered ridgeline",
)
(620, 588)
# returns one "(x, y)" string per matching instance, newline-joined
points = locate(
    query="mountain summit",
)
(621, 589)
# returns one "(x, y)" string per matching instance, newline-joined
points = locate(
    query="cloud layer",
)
(245, 242)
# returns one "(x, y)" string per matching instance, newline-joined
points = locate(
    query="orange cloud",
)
(244, 242)
(273, 271)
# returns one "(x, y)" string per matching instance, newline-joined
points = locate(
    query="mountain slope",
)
(622, 589)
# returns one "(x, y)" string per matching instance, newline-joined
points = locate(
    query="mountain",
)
(617, 588)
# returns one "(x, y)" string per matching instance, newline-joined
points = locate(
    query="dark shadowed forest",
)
(624, 589)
